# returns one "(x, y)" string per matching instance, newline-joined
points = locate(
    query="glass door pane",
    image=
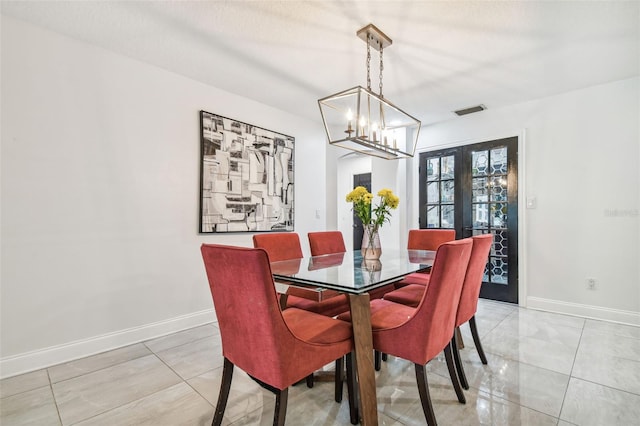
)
(491, 168)
(440, 195)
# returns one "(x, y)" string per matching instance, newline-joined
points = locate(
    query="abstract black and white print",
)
(247, 177)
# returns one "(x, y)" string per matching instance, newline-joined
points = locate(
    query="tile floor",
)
(544, 369)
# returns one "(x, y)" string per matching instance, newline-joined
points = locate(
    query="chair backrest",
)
(326, 242)
(473, 279)
(254, 334)
(429, 239)
(432, 325)
(279, 245)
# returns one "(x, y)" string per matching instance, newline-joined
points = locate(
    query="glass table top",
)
(349, 272)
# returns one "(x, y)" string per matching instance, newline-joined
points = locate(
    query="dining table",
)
(355, 276)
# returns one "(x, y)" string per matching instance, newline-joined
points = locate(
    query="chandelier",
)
(363, 121)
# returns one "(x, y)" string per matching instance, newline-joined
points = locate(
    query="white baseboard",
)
(586, 311)
(41, 358)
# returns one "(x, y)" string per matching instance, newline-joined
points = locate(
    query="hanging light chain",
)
(381, 68)
(368, 62)
(369, 38)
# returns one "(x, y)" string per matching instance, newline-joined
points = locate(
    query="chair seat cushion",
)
(316, 328)
(329, 307)
(378, 293)
(409, 295)
(418, 278)
(385, 314)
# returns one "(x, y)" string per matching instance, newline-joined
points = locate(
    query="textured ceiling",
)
(446, 55)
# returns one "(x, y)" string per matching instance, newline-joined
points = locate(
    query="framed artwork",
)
(246, 177)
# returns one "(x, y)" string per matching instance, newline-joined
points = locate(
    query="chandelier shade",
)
(363, 121)
(359, 120)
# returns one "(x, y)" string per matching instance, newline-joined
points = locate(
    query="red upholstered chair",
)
(326, 242)
(322, 243)
(411, 295)
(279, 245)
(412, 285)
(469, 299)
(420, 334)
(276, 348)
(286, 246)
(425, 239)
(429, 239)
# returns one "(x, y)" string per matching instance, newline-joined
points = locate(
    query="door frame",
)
(522, 184)
(358, 227)
(347, 166)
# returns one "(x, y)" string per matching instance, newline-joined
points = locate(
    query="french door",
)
(474, 190)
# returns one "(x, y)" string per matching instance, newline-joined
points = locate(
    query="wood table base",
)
(361, 321)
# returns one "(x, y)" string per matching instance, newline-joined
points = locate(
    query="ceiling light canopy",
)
(363, 121)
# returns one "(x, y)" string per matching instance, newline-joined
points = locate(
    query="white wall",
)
(100, 188)
(391, 175)
(581, 161)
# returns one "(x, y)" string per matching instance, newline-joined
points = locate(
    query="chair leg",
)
(425, 398)
(454, 375)
(310, 380)
(458, 362)
(339, 379)
(352, 390)
(385, 357)
(283, 301)
(476, 339)
(377, 360)
(281, 407)
(459, 339)
(225, 386)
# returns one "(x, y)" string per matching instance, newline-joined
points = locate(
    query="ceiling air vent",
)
(470, 110)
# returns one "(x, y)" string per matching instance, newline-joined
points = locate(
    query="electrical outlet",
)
(591, 283)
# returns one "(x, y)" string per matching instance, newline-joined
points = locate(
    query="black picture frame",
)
(246, 177)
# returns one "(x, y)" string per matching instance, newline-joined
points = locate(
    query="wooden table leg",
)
(361, 322)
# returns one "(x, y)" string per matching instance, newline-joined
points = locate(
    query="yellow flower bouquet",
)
(372, 217)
